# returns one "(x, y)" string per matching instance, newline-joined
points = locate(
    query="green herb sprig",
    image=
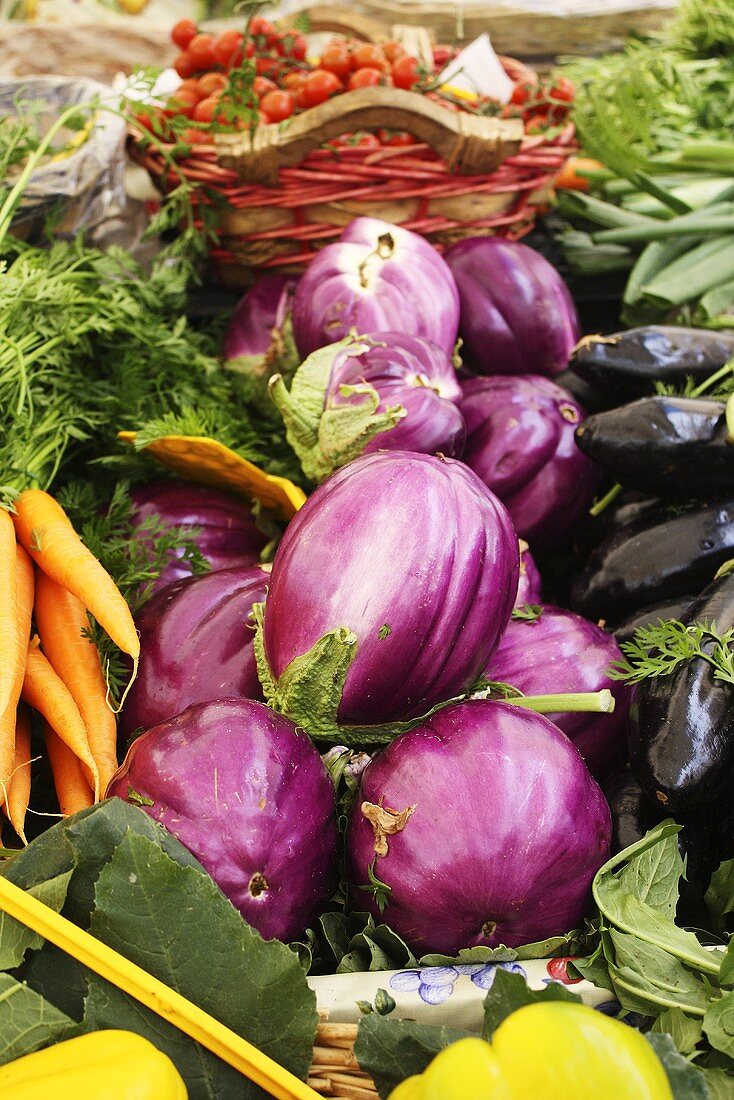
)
(659, 649)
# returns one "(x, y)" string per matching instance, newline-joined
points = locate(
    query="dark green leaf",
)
(510, 991)
(656, 975)
(27, 1021)
(16, 938)
(686, 1081)
(718, 1023)
(720, 894)
(391, 1050)
(174, 922)
(685, 1031)
(726, 974)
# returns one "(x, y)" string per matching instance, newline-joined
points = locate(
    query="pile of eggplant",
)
(654, 554)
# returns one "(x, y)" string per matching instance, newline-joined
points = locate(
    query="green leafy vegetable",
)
(27, 1021)
(718, 1023)
(685, 1032)
(255, 987)
(719, 897)
(686, 1081)
(391, 1050)
(510, 991)
(17, 938)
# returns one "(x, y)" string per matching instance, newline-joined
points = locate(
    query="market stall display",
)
(380, 688)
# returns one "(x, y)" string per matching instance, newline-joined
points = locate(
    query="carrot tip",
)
(131, 681)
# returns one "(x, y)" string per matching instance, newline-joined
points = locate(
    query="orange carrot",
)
(72, 789)
(24, 609)
(47, 694)
(19, 787)
(44, 529)
(60, 619)
(12, 644)
(571, 177)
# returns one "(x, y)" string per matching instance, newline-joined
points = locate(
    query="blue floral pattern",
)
(435, 984)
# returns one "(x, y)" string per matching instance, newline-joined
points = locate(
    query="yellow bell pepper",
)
(99, 1066)
(544, 1052)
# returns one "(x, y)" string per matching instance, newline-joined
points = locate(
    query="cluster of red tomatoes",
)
(285, 82)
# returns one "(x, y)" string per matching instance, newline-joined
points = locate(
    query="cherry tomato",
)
(563, 89)
(364, 78)
(182, 102)
(442, 55)
(392, 50)
(521, 93)
(335, 59)
(298, 47)
(268, 66)
(405, 72)
(558, 970)
(190, 86)
(319, 86)
(195, 137)
(201, 51)
(396, 137)
(293, 81)
(368, 56)
(183, 32)
(261, 86)
(278, 105)
(211, 83)
(261, 26)
(359, 141)
(228, 49)
(185, 65)
(263, 118)
(206, 110)
(536, 121)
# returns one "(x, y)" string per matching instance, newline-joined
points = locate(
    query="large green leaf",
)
(391, 1050)
(653, 875)
(657, 974)
(174, 922)
(15, 937)
(685, 1031)
(720, 894)
(27, 1021)
(718, 1023)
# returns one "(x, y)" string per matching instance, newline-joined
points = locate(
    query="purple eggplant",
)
(195, 645)
(520, 441)
(517, 315)
(376, 278)
(529, 587)
(413, 373)
(228, 534)
(483, 826)
(262, 309)
(561, 652)
(417, 560)
(248, 794)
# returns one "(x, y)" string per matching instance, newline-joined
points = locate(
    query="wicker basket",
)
(262, 227)
(335, 1071)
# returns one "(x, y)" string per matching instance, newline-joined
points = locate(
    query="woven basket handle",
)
(469, 144)
(337, 20)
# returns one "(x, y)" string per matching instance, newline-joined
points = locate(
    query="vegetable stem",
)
(606, 500)
(596, 702)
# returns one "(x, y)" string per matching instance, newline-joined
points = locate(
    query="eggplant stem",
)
(606, 500)
(593, 702)
(714, 378)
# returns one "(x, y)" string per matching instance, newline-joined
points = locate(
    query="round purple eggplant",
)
(248, 794)
(376, 278)
(415, 557)
(261, 310)
(195, 645)
(228, 534)
(517, 315)
(520, 441)
(484, 826)
(561, 652)
(414, 373)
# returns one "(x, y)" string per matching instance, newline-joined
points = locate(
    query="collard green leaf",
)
(719, 897)
(726, 974)
(656, 975)
(391, 1050)
(720, 1084)
(510, 991)
(15, 937)
(686, 1081)
(718, 1023)
(653, 875)
(174, 922)
(27, 1021)
(685, 1031)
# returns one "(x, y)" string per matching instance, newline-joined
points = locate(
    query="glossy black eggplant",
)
(670, 446)
(629, 505)
(634, 813)
(629, 363)
(682, 732)
(663, 554)
(668, 609)
(587, 391)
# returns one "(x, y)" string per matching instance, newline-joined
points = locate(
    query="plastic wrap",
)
(82, 189)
